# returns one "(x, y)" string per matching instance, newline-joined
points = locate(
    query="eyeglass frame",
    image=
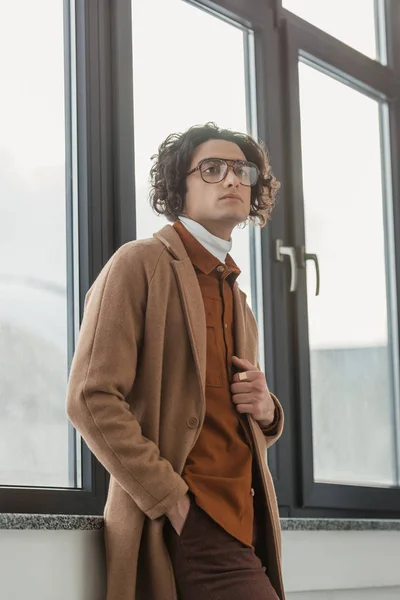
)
(230, 165)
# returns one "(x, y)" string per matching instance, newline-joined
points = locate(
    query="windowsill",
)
(52, 522)
(88, 522)
(298, 524)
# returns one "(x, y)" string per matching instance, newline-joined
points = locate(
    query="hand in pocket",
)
(178, 513)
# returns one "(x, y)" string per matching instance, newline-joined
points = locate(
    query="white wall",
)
(318, 565)
(49, 565)
(341, 565)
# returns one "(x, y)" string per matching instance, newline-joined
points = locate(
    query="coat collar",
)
(171, 240)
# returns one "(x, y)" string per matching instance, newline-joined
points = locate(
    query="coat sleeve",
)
(274, 431)
(102, 374)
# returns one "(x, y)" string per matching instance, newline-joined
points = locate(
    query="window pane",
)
(173, 91)
(351, 21)
(354, 364)
(33, 325)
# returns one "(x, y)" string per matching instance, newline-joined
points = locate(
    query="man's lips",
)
(232, 197)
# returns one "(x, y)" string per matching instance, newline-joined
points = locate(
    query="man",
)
(166, 391)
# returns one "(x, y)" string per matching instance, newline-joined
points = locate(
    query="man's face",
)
(210, 203)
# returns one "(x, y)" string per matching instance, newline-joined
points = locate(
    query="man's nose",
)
(231, 178)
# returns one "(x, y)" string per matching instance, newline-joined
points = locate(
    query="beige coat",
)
(136, 394)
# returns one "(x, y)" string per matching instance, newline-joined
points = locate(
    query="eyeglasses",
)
(214, 170)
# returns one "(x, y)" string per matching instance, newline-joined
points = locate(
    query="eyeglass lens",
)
(214, 170)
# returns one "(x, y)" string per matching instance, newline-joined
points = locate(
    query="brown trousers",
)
(210, 564)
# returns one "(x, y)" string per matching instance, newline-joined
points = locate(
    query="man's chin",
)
(233, 217)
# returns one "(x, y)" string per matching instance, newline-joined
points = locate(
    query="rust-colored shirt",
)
(218, 470)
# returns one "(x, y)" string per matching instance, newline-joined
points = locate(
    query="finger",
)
(244, 364)
(241, 388)
(250, 376)
(245, 408)
(242, 398)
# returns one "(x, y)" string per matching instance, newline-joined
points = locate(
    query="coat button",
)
(193, 422)
(252, 492)
(220, 269)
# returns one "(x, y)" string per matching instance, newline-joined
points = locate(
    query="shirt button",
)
(252, 492)
(220, 269)
(192, 422)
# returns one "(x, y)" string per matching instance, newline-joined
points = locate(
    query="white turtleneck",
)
(218, 247)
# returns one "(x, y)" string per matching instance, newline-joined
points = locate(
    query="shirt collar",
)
(214, 244)
(200, 255)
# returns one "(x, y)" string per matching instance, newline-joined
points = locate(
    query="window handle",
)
(282, 251)
(304, 257)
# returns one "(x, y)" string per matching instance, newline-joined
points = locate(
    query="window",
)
(352, 322)
(48, 234)
(351, 21)
(33, 266)
(341, 208)
(90, 89)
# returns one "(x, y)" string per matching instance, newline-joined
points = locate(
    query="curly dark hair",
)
(171, 164)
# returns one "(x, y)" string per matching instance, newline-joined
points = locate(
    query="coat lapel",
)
(193, 308)
(191, 298)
